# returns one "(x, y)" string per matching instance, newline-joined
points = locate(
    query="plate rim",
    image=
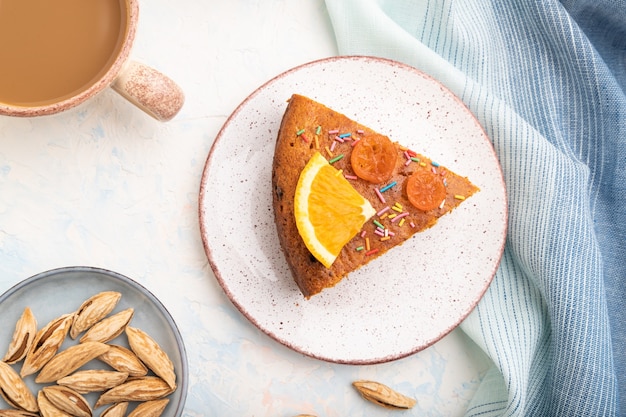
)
(204, 225)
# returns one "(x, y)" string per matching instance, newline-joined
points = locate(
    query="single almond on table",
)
(383, 395)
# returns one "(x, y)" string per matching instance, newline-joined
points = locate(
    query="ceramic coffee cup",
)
(83, 50)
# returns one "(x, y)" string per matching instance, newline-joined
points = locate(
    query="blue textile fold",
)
(547, 81)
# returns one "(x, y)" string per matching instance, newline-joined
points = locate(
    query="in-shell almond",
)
(383, 395)
(93, 310)
(116, 410)
(14, 390)
(152, 408)
(68, 400)
(145, 388)
(69, 360)
(17, 413)
(151, 354)
(109, 328)
(92, 380)
(47, 342)
(123, 360)
(47, 409)
(23, 336)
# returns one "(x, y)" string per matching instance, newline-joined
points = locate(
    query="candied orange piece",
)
(425, 190)
(374, 158)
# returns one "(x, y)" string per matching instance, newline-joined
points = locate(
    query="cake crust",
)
(304, 130)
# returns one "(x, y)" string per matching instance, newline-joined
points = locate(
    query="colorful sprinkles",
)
(383, 211)
(391, 214)
(380, 196)
(388, 186)
(399, 216)
(335, 159)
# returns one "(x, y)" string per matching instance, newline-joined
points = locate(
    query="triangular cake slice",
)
(308, 127)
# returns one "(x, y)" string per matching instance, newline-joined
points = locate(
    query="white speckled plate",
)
(399, 303)
(60, 291)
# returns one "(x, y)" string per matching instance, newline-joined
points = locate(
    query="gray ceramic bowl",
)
(60, 291)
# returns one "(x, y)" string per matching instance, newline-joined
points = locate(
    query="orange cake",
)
(344, 194)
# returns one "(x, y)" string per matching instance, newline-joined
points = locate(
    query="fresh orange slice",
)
(328, 210)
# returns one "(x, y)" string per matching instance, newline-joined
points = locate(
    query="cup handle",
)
(150, 90)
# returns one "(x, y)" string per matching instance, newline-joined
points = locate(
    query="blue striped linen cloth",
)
(546, 79)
